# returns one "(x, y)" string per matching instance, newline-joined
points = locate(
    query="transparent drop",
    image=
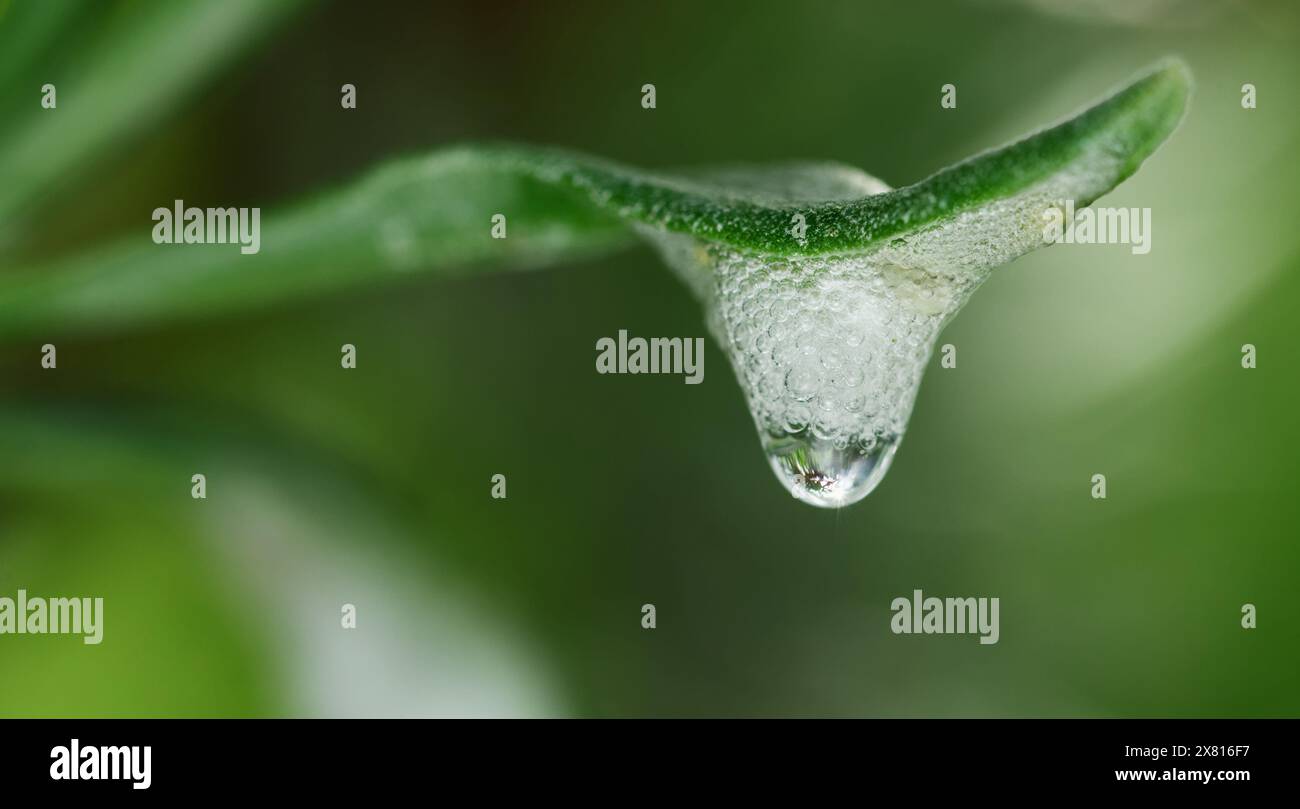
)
(821, 473)
(846, 336)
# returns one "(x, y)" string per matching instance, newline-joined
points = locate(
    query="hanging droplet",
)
(832, 384)
(819, 472)
(845, 338)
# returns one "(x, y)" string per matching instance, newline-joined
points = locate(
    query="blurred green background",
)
(372, 486)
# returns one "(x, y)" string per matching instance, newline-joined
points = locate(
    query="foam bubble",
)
(831, 349)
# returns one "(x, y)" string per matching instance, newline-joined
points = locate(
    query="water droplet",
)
(818, 472)
(830, 349)
(797, 418)
(850, 376)
(802, 382)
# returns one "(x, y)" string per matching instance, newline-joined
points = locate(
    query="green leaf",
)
(434, 214)
(133, 62)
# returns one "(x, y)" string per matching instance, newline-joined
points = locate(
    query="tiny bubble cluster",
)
(830, 348)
